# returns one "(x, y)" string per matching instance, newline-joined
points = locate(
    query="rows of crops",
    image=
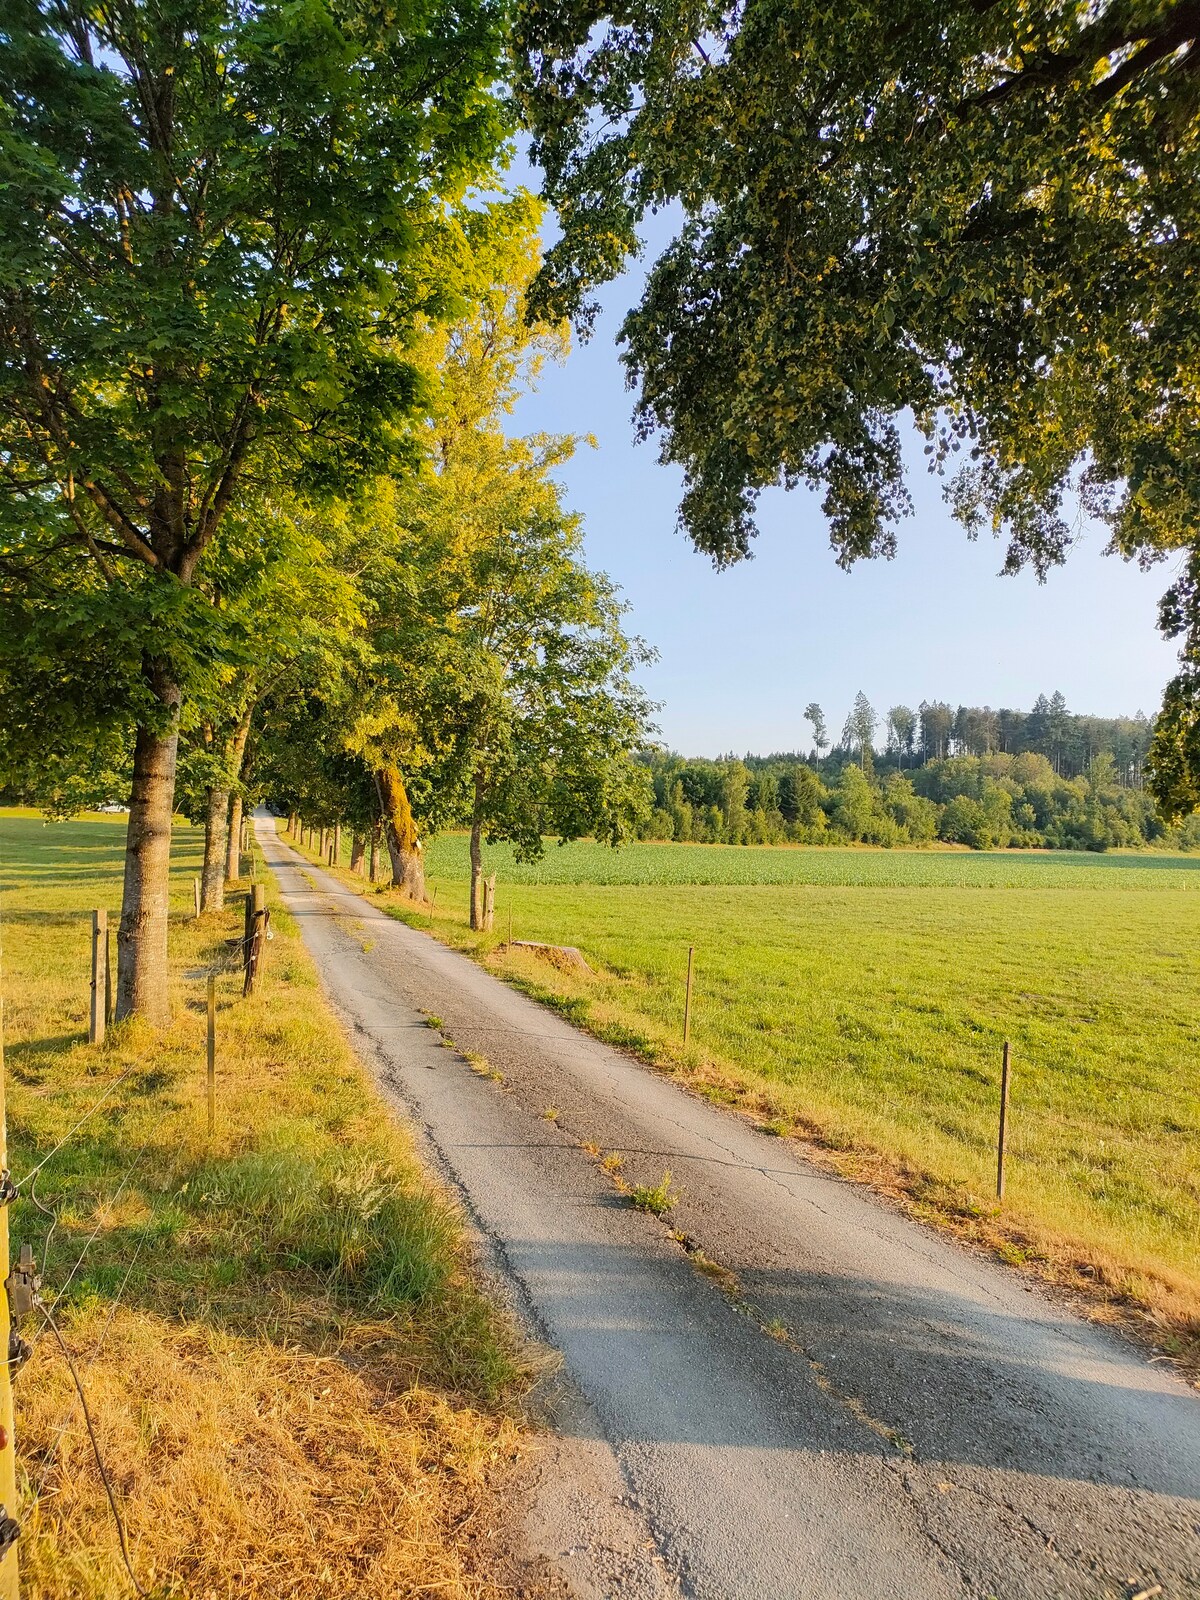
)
(589, 863)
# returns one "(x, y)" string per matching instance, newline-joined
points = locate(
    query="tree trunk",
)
(236, 757)
(358, 849)
(233, 849)
(212, 881)
(142, 981)
(476, 873)
(400, 831)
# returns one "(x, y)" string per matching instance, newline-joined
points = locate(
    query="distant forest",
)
(1039, 779)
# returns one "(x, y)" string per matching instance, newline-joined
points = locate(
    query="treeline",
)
(265, 530)
(991, 801)
(935, 730)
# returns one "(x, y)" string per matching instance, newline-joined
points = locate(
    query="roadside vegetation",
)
(860, 999)
(295, 1386)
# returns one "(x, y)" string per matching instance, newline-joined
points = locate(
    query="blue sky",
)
(742, 652)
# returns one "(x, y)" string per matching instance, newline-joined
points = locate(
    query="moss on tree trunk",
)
(400, 832)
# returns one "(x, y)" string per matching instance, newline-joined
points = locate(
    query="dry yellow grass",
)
(296, 1387)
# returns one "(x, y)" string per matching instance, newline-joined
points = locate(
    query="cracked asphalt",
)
(863, 1409)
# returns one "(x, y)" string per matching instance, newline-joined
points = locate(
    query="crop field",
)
(864, 997)
(585, 862)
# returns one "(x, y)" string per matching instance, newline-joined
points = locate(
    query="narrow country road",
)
(862, 1411)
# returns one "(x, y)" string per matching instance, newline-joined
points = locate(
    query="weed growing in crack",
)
(657, 1199)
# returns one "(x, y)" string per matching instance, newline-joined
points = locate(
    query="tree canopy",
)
(984, 215)
(217, 224)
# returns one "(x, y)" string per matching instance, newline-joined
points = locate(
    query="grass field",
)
(862, 997)
(295, 1386)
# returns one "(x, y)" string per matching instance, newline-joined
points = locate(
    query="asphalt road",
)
(863, 1409)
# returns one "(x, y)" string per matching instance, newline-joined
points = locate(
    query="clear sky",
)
(742, 652)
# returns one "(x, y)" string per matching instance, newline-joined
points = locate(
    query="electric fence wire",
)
(101, 1468)
(74, 1129)
(91, 1238)
(97, 1348)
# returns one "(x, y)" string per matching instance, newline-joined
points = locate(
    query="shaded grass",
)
(865, 1007)
(301, 1390)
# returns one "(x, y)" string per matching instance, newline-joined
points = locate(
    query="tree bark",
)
(358, 849)
(376, 831)
(400, 831)
(142, 978)
(233, 842)
(236, 756)
(212, 881)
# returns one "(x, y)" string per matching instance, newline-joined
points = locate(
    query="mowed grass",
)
(863, 997)
(295, 1385)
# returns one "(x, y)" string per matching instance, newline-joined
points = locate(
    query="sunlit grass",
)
(867, 1001)
(299, 1351)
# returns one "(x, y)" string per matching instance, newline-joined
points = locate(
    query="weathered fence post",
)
(9, 1531)
(687, 996)
(256, 932)
(212, 1052)
(337, 845)
(196, 894)
(1003, 1133)
(99, 1015)
(489, 902)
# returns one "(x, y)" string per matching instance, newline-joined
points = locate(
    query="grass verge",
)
(296, 1388)
(862, 1004)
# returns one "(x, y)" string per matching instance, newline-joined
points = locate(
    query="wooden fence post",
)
(687, 996)
(212, 1052)
(489, 901)
(196, 895)
(256, 933)
(9, 1531)
(99, 1016)
(1003, 1133)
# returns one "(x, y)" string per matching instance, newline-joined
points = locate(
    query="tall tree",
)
(902, 727)
(860, 727)
(984, 211)
(210, 213)
(936, 722)
(816, 719)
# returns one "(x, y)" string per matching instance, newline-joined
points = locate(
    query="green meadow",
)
(864, 996)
